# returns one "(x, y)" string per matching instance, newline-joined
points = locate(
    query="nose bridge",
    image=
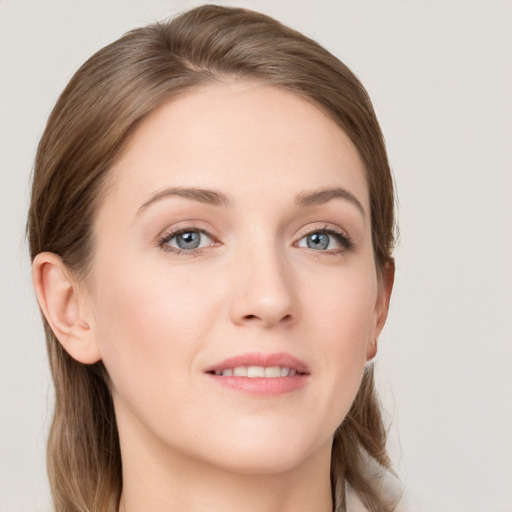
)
(263, 284)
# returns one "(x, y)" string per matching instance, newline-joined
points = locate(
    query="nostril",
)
(286, 318)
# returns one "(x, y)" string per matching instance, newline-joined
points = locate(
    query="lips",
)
(260, 374)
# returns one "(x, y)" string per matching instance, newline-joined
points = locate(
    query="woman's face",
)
(233, 292)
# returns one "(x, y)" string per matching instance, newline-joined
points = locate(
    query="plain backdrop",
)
(440, 75)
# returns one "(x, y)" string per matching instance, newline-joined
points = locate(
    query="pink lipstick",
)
(260, 374)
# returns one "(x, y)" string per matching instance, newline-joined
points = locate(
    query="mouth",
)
(261, 374)
(268, 372)
(257, 364)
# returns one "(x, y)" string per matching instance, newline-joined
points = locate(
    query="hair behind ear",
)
(84, 457)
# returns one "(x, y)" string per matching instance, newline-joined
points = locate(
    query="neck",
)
(157, 479)
(223, 492)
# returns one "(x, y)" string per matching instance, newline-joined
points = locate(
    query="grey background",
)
(440, 75)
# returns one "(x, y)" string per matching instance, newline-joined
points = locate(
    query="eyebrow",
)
(214, 198)
(316, 197)
(196, 194)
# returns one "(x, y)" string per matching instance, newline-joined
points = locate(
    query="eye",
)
(185, 240)
(325, 240)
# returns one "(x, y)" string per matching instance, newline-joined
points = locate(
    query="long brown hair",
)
(86, 132)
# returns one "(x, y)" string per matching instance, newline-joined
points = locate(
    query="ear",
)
(385, 287)
(58, 294)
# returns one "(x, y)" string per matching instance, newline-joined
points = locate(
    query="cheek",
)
(344, 305)
(345, 325)
(147, 324)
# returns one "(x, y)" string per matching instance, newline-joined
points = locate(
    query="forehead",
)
(248, 137)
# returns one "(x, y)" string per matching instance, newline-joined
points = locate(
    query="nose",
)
(263, 292)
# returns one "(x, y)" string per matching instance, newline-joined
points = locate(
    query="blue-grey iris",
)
(188, 240)
(318, 241)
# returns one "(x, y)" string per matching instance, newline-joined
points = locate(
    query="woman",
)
(211, 231)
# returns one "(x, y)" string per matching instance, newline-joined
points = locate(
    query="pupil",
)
(189, 240)
(318, 241)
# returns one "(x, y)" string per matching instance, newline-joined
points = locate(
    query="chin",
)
(268, 451)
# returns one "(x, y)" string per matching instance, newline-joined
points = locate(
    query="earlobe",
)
(386, 281)
(371, 350)
(59, 299)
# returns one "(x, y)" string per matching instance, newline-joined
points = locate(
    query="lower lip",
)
(262, 386)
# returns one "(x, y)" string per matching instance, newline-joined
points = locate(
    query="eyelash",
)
(338, 234)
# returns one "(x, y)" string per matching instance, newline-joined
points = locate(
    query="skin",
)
(158, 317)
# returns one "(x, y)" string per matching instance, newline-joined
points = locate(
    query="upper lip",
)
(259, 359)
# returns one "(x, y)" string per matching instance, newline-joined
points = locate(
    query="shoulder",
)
(354, 503)
(386, 485)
